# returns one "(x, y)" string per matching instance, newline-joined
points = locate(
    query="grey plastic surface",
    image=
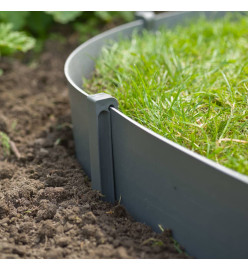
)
(80, 125)
(100, 143)
(148, 17)
(159, 182)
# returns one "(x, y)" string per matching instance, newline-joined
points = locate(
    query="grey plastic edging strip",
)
(159, 181)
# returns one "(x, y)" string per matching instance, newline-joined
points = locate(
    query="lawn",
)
(188, 84)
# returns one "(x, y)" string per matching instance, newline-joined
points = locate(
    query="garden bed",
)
(47, 208)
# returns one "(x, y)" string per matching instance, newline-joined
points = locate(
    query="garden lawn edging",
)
(158, 181)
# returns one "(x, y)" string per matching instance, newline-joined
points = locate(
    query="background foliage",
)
(24, 30)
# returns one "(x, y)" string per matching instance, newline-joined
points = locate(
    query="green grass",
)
(5, 142)
(189, 84)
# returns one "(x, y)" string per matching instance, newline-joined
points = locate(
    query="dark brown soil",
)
(47, 208)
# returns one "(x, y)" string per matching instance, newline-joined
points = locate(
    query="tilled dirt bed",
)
(47, 207)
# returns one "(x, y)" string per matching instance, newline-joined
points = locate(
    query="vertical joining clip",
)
(100, 143)
(147, 17)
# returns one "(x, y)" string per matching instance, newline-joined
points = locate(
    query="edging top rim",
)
(91, 40)
(120, 28)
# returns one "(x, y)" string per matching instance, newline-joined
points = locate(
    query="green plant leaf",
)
(104, 15)
(38, 23)
(64, 16)
(17, 18)
(12, 41)
(109, 16)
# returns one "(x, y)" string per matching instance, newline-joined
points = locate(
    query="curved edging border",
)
(158, 181)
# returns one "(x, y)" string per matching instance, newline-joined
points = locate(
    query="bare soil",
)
(47, 207)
